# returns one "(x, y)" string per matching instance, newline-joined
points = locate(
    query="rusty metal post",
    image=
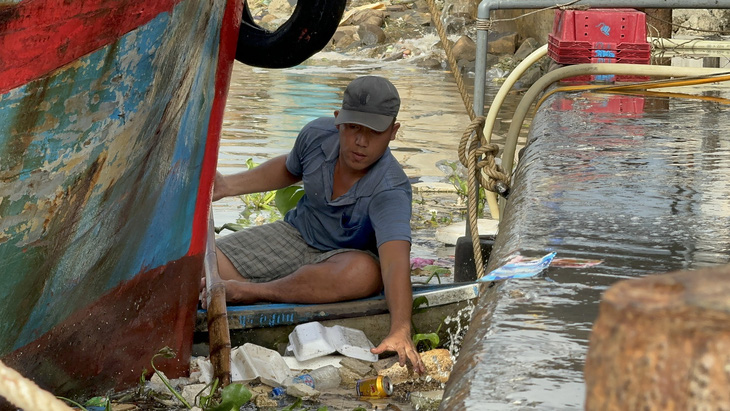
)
(662, 343)
(218, 333)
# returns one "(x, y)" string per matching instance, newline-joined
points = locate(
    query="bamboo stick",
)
(218, 333)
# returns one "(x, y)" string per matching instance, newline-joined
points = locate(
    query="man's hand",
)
(219, 186)
(402, 344)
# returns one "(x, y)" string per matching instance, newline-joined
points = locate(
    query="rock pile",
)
(403, 30)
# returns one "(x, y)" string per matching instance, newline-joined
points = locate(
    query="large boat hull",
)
(110, 117)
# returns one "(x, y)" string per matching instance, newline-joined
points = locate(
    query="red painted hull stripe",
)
(39, 36)
(226, 56)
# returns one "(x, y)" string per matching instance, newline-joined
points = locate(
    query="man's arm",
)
(271, 175)
(395, 269)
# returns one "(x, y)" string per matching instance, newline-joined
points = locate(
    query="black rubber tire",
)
(307, 31)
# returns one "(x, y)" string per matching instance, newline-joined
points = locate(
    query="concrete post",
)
(662, 343)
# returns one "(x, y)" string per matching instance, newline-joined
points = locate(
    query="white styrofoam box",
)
(309, 340)
(351, 342)
(251, 361)
(312, 340)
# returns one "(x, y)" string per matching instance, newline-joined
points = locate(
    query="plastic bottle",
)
(320, 379)
(277, 392)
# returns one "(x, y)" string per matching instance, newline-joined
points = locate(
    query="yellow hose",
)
(686, 81)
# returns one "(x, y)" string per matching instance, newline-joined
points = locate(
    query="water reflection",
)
(638, 183)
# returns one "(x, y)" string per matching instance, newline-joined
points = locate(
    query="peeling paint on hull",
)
(107, 157)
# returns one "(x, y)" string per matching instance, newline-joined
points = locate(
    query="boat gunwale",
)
(266, 315)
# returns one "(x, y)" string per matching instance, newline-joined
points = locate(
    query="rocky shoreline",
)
(385, 30)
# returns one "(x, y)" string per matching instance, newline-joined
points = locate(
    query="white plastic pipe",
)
(688, 44)
(499, 98)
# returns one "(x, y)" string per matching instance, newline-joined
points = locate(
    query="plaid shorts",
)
(272, 251)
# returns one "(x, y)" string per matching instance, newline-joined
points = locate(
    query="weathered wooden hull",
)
(110, 116)
(269, 325)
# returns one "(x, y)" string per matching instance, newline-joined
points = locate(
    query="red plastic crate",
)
(598, 33)
(581, 60)
(600, 36)
(560, 53)
(612, 26)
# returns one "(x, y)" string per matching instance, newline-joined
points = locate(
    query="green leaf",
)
(287, 198)
(297, 404)
(251, 164)
(97, 402)
(233, 397)
(418, 302)
(436, 269)
(431, 338)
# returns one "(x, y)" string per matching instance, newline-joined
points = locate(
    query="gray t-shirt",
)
(375, 210)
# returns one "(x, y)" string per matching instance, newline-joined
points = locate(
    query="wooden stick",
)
(218, 333)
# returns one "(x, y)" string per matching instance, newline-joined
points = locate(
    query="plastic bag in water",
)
(519, 269)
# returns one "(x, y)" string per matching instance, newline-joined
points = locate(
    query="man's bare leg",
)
(226, 269)
(344, 276)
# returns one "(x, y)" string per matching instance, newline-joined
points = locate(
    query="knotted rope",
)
(475, 152)
(25, 394)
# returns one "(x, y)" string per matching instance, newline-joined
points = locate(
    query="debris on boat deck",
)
(410, 391)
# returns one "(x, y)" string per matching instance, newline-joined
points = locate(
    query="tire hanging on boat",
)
(307, 31)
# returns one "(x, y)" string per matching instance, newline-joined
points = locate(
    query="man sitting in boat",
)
(349, 236)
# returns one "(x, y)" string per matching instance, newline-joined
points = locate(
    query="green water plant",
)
(167, 352)
(91, 402)
(423, 341)
(232, 396)
(264, 207)
(456, 174)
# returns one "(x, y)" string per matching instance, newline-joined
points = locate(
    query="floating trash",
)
(519, 268)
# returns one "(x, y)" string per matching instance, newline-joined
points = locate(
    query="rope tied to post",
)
(483, 156)
(475, 152)
(495, 177)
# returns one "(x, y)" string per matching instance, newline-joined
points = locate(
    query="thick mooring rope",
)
(25, 394)
(474, 151)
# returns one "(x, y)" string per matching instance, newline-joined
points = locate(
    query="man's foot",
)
(240, 292)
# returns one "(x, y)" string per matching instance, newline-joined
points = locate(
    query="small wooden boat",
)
(269, 325)
(110, 118)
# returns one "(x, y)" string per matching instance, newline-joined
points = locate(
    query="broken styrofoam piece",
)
(206, 369)
(251, 361)
(313, 364)
(312, 340)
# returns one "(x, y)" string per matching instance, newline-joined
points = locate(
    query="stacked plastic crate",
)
(600, 36)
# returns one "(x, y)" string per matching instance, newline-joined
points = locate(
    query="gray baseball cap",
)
(369, 101)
